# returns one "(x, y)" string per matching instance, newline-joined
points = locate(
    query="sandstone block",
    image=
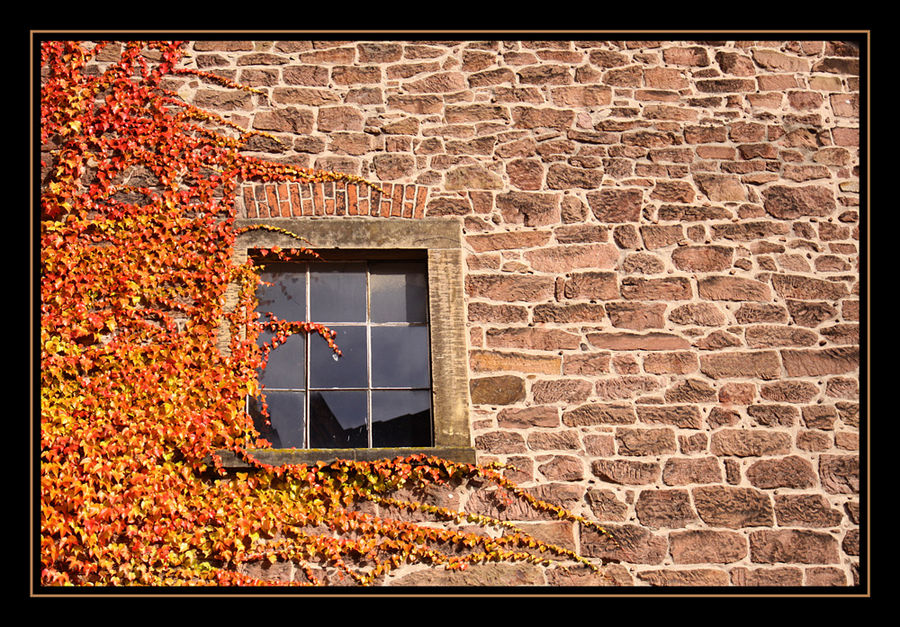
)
(688, 470)
(750, 443)
(733, 507)
(645, 442)
(707, 546)
(616, 205)
(772, 546)
(664, 508)
(805, 510)
(732, 288)
(625, 472)
(787, 472)
(598, 414)
(815, 362)
(741, 364)
(498, 390)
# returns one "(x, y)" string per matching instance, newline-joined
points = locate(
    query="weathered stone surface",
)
(683, 416)
(625, 472)
(561, 259)
(510, 288)
(750, 443)
(772, 546)
(699, 577)
(645, 442)
(494, 361)
(789, 391)
(787, 472)
(664, 508)
(653, 341)
(532, 338)
(732, 507)
(668, 289)
(805, 510)
(707, 546)
(529, 208)
(591, 285)
(616, 205)
(839, 474)
(744, 364)
(629, 543)
(790, 203)
(599, 414)
(562, 390)
(500, 575)
(702, 258)
(636, 316)
(688, 470)
(732, 288)
(780, 576)
(815, 362)
(499, 390)
(799, 287)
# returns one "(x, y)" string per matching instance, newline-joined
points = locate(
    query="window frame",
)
(439, 241)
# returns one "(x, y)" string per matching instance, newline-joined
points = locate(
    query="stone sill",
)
(281, 457)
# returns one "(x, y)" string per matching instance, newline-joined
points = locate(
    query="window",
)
(393, 292)
(378, 393)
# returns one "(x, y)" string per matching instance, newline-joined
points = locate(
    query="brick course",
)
(663, 253)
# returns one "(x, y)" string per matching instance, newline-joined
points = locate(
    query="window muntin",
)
(378, 394)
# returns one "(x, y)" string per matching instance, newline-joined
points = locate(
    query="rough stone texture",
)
(661, 245)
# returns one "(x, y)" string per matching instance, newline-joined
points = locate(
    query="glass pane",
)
(398, 292)
(337, 292)
(286, 298)
(286, 367)
(337, 420)
(286, 415)
(401, 418)
(400, 357)
(349, 370)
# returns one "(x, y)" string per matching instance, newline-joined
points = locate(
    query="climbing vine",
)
(137, 393)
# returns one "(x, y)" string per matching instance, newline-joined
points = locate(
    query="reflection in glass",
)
(286, 365)
(337, 292)
(401, 418)
(338, 420)
(400, 357)
(349, 370)
(286, 416)
(399, 292)
(286, 298)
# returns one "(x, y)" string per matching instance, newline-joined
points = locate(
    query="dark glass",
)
(399, 292)
(286, 298)
(401, 418)
(286, 415)
(349, 370)
(286, 367)
(400, 357)
(337, 292)
(338, 420)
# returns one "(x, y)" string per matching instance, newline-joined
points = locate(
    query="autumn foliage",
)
(137, 393)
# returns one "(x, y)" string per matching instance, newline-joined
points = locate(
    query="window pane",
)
(337, 292)
(347, 371)
(401, 418)
(400, 357)
(338, 420)
(286, 367)
(398, 292)
(286, 298)
(286, 414)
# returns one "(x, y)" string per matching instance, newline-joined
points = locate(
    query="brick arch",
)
(285, 200)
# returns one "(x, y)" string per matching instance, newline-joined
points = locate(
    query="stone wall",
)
(662, 243)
